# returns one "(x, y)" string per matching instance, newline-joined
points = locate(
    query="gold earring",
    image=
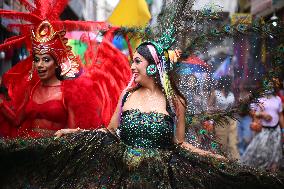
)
(31, 72)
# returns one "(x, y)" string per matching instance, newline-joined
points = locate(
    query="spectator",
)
(265, 149)
(221, 100)
(244, 132)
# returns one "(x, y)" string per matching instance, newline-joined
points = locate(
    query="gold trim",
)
(37, 35)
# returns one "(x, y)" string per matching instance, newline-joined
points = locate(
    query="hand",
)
(219, 157)
(62, 132)
(104, 130)
(208, 125)
(266, 116)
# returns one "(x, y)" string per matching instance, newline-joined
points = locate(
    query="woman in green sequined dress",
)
(143, 146)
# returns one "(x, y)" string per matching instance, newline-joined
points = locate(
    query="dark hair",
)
(225, 83)
(58, 73)
(144, 51)
(58, 69)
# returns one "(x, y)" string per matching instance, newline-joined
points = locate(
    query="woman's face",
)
(45, 66)
(138, 68)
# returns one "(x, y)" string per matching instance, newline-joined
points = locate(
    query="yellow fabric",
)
(130, 13)
(167, 85)
(174, 55)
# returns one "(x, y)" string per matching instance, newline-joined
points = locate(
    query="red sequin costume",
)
(88, 101)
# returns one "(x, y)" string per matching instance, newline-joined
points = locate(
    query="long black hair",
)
(144, 51)
(58, 73)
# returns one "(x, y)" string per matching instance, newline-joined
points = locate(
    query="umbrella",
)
(192, 64)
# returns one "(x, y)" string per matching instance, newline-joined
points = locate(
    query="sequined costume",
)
(142, 157)
(157, 130)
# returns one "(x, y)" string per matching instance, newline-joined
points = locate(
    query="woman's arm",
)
(114, 122)
(199, 151)
(263, 115)
(180, 131)
(71, 125)
(281, 120)
(180, 125)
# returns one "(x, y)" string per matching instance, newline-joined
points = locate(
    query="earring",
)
(58, 70)
(31, 73)
(151, 70)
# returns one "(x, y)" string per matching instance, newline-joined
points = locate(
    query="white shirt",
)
(272, 106)
(223, 102)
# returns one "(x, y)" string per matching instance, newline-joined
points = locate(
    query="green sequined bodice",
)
(146, 130)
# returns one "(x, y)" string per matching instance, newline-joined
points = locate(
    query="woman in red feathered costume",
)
(43, 91)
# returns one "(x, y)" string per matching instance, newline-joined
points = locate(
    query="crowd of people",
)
(265, 148)
(254, 136)
(242, 135)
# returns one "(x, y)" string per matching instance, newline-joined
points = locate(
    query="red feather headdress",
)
(42, 31)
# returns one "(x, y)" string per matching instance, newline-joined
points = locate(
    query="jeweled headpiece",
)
(159, 51)
(46, 40)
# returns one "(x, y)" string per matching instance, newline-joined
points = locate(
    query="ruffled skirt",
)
(96, 159)
(265, 149)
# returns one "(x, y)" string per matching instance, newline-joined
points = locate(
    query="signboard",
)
(243, 18)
